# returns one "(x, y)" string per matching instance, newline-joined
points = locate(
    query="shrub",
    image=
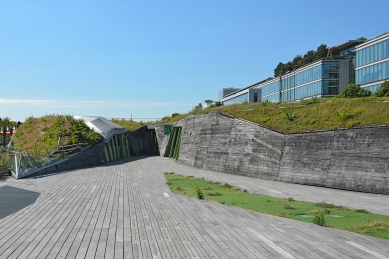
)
(200, 194)
(383, 90)
(217, 104)
(4, 160)
(354, 91)
(319, 220)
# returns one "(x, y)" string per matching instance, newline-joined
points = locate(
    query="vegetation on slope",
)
(323, 214)
(45, 132)
(308, 115)
(130, 125)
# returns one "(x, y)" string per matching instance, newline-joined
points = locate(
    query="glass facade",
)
(272, 98)
(239, 99)
(307, 90)
(373, 53)
(373, 88)
(322, 79)
(372, 73)
(271, 88)
(309, 75)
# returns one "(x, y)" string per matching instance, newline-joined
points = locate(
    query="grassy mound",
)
(45, 132)
(308, 115)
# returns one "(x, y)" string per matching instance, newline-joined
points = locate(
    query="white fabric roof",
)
(102, 126)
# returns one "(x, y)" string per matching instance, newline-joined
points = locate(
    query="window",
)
(255, 97)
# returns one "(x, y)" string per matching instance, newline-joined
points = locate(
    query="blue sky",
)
(149, 59)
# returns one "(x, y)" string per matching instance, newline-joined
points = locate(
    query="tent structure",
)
(115, 137)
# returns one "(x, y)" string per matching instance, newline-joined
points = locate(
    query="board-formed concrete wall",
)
(221, 143)
(350, 159)
(85, 158)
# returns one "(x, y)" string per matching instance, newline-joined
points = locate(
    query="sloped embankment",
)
(350, 159)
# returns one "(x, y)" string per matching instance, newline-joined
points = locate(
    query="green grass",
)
(41, 133)
(308, 115)
(359, 221)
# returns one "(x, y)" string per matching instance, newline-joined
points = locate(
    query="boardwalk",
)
(125, 210)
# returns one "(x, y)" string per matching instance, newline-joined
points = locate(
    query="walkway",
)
(125, 210)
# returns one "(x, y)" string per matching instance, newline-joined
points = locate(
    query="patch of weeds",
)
(244, 202)
(207, 188)
(222, 202)
(352, 124)
(178, 188)
(290, 116)
(227, 186)
(319, 220)
(289, 207)
(277, 213)
(169, 183)
(214, 194)
(244, 190)
(327, 205)
(190, 176)
(361, 211)
(290, 199)
(344, 115)
(200, 194)
(268, 200)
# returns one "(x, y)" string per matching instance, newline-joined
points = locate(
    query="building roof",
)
(248, 87)
(349, 44)
(102, 126)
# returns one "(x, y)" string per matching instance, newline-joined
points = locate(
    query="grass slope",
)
(359, 221)
(307, 115)
(44, 132)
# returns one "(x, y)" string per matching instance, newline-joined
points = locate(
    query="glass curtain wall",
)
(239, 99)
(372, 73)
(373, 53)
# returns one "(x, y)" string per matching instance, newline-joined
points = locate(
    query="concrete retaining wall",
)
(224, 144)
(353, 159)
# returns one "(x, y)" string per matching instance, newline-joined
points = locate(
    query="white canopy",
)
(102, 126)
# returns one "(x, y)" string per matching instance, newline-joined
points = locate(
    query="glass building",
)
(318, 79)
(372, 62)
(361, 62)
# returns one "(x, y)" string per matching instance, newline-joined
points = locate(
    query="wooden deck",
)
(125, 210)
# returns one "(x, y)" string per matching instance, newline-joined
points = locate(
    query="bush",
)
(383, 90)
(217, 104)
(199, 194)
(354, 91)
(319, 220)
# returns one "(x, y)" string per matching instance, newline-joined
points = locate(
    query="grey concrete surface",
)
(348, 159)
(125, 210)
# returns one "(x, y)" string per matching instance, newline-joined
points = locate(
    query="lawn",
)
(354, 220)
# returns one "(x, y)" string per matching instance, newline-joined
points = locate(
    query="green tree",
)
(383, 90)
(297, 62)
(309, 57)
(5, 122)
(279, 70)
(354, 91)
(321, 52)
